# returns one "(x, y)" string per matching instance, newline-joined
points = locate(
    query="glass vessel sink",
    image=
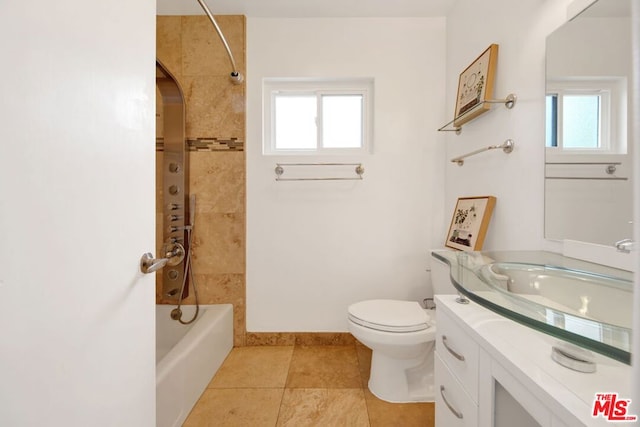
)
(587, 304)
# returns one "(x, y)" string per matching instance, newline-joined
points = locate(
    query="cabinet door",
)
(454, 407)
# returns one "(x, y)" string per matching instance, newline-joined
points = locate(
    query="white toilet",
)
(401, 335)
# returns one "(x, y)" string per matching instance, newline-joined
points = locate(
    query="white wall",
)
(517, 179)
(77, 338)
(313, 248)
(584, 48)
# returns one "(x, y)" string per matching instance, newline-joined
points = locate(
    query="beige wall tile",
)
(218, 181)
(190, 49)
(270, 338)
(218, 289)
(215, 107)
(324, 338)
(218, 243)
(169, 43)
(300, 338)
(240, 324)
(203, 51)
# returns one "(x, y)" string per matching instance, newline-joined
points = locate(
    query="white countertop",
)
(526, 354)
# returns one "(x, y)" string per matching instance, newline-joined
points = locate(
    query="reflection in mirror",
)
(588, 190)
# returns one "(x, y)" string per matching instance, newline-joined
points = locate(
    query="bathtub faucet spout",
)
(176, 314)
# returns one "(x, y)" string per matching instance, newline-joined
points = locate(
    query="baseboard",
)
(299, 338)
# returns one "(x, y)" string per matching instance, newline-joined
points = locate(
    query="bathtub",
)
(187, 357)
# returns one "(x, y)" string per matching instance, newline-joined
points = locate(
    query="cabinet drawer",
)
(459, 352)
(454, 407)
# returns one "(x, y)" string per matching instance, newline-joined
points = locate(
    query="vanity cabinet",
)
(454, 406)
(456, 376)
(459, 352)
(493, 372)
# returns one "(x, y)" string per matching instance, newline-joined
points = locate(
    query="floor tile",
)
(323, 407)
(324, 367)
(385, 414)
(364, 363)
(236, 407)
(254, 367)
(326, 387)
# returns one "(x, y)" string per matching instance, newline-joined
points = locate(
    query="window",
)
(317, 116)
(575, 120)
(586, 116)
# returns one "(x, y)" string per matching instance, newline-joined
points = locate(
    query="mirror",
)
(588, 187)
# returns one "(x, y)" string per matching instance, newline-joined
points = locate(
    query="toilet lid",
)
(389, 315)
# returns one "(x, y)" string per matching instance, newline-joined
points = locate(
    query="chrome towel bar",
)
(280, 169)
(506, 146)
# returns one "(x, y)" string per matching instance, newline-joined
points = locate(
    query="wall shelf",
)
(509, 102)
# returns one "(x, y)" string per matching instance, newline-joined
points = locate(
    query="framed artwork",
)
(475, 86)
(470, 222)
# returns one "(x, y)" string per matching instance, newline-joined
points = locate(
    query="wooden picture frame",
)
(475, 87)
(469, 223)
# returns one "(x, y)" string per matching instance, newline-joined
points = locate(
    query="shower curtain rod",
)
(236, 76)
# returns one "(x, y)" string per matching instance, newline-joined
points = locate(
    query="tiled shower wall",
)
(190, 49)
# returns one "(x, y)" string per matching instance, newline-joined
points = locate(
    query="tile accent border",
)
(299, 338)
(208, 144)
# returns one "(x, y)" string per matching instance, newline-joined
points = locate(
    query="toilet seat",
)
(389, 315)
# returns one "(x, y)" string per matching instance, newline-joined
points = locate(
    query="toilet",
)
(401, 335)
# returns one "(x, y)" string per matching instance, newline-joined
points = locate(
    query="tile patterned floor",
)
(324, 386)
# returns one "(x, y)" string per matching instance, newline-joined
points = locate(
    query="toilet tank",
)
(441, 278)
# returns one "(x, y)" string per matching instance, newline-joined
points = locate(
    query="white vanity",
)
(491, 370)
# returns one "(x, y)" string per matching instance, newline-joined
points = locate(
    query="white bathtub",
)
(187, 357)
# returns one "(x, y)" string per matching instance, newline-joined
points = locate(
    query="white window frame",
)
(319, 88)
(613, 99)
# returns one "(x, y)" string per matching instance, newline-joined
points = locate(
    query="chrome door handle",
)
(450, 350)
(453, 410)
(149, 264)
(625, 245)
(174, 254)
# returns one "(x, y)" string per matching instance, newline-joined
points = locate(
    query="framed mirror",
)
(588, 186)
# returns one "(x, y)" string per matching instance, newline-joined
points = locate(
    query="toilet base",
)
(403, 380)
